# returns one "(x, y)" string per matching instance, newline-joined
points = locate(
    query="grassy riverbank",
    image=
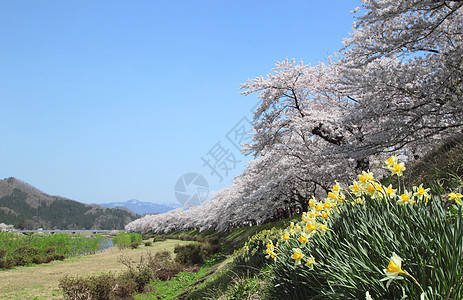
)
(41, 281)
(19, 250)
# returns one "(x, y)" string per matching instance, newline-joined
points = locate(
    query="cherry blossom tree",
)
(395, 87)
(402, 69)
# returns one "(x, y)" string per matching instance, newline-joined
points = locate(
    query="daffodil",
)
(370, 190)
(333, 196)
(270, 251)
(270, 248)
(379, 191)
(391, 160)
(365, 178)
(312, 215)
(305, 217)
(368, 296)
(285, 237)
(297, 256)
(303, 239)
(394, 269)
(336, 188)
(390, 192)
(406, 198)
(322, 228)
(359, 200)
(312, 202)
(421, 193)
(311, 226)
(397, 168)
(354, 188)
(310, 262)
(455, 197)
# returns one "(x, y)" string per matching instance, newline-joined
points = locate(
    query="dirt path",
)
(41, 281)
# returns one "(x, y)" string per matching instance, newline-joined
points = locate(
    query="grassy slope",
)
(438, 168)
(236, 237)
(213, 275)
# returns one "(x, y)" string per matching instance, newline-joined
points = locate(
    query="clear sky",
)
(104, 101)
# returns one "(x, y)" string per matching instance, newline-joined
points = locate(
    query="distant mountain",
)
(141, 208)
(26, 207)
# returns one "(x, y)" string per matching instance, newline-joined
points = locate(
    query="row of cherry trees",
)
(395, 87)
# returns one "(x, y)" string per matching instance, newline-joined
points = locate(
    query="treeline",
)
(59, 214)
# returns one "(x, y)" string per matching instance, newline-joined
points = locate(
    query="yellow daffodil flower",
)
(370, 190)
(390, 192)
(333, 196)
(336, 187)
(303, 239)
(397, 169)
(322, 228)
(359, 200)
(365, 177)
(312, 202)
(354, 188)
(311, 226)
(421, 193)
(455, 197)
(297, 256)
(394, 269)
(310, 262)
(392, 160)
(406, 198)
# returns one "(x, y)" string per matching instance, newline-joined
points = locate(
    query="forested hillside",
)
(26, 207)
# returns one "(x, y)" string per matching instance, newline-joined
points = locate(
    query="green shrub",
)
(190, 254)
(25, 255)
(127, 240)
(351, 257)
(211, 246)
(159, 239)
(134, 279)
(98, 287)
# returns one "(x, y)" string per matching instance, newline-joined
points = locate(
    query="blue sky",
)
(105, 101)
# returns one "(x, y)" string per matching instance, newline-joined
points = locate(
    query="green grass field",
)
(41, 281)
